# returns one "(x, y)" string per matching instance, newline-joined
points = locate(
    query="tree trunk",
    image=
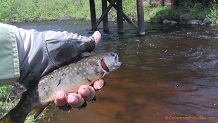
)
(162, 2)
(175, 2)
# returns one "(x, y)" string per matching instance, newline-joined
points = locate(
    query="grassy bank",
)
(7, 102)
(196, 11)
(41, 10)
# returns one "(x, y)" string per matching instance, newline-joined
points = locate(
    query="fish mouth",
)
(111, 62)
(104, 66)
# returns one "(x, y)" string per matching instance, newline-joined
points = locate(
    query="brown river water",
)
(168, 76)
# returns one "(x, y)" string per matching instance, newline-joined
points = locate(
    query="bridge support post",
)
(120, 16)
(140, 14)
(93, 13)
(117, 4)
(105, 19)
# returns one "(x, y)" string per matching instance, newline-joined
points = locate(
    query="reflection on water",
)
(163, 75)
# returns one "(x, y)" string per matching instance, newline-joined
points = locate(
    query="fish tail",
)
(6, 119)
(11, 117)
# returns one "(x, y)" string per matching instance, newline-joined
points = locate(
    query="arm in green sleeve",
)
(9, 61)
(41, 52)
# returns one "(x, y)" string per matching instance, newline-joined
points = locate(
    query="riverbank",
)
(8, 101)
(192, 14)
(45, 10)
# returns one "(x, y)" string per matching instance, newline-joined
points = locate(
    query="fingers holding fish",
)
(75, 100)
(71, 99)
(87, 92)
(97, 36)
(60, 98)
(99, 84)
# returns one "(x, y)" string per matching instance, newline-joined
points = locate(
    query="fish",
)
(67, 78)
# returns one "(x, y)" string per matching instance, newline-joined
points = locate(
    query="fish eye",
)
(113, 54)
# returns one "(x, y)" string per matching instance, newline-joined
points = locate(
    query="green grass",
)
(6, 104)
(195, 10)
(42, 10)
(38, 10)
(213, 12)
(5, 100)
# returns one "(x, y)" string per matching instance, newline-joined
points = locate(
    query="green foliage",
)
(152, 12)
(5, 10)
(197, 11)
(129, 7)
(37, 10)
(7, 103)
(155, 13)
(5, 100)
(214, 12)
(3, 91)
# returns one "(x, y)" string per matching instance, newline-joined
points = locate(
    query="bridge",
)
(118, 5)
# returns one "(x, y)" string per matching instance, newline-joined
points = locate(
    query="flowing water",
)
(167, 76)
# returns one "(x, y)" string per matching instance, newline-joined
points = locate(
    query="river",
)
(169, 75)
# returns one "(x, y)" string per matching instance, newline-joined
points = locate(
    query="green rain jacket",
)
(27, 55)
(9, 60)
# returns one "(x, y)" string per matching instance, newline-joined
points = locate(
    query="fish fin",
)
(8, 118)
(87, 54)
(38, 111)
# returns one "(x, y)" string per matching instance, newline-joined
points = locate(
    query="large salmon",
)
(67, 78)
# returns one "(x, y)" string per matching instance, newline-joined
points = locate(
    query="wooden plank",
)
(140, 15)
(105, 20)
(93, 14)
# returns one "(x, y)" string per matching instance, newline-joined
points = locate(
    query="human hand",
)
(78, 100)
(85, 93)
(97, 36)
(60, 49)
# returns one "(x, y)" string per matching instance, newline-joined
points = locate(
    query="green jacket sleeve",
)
(27, 55)
(9, 60)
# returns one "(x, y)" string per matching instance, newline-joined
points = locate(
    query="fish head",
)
(109, 62)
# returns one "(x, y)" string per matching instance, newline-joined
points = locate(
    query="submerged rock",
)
(168, 22)
(173, 22)
(185, 17)
(194, 22)
(176, 17)
(207, 21)
(165, 21)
